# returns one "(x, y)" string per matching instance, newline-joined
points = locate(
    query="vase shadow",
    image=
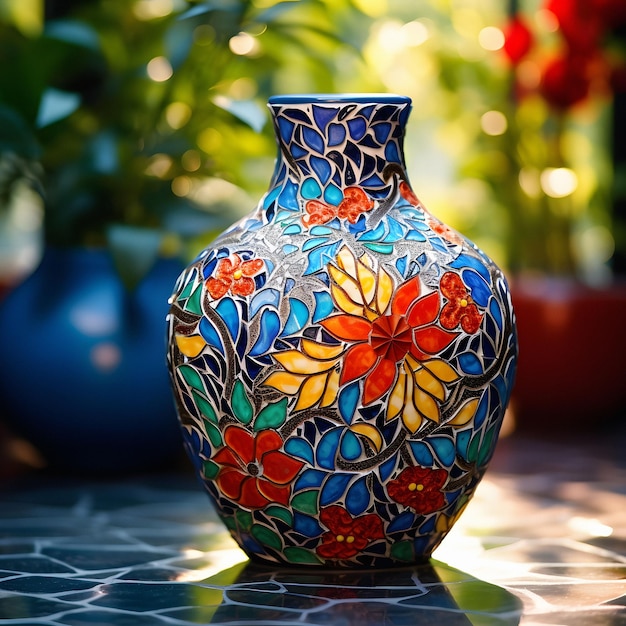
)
(433, 593)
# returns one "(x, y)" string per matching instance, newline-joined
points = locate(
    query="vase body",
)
(83, 375)
(340, 359)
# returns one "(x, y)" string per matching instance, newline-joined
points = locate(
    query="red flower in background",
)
(347, 535)
(254, 471)
(518, 39)
(419, 488)
(565, 82)
(581, 64)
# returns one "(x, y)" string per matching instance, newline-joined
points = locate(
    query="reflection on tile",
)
(542, 543)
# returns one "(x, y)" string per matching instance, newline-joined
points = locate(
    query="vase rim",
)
(360, 98)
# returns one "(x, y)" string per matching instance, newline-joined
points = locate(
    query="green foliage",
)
(124, 117)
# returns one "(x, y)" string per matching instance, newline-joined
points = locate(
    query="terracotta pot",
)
(572, 344)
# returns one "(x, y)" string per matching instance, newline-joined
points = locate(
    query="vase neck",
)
(329, 143)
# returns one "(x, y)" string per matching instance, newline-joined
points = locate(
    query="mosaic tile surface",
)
(542, 543)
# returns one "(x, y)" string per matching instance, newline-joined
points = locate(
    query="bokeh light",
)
(159, 69)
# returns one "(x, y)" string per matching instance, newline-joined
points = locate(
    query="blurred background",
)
(140, 127)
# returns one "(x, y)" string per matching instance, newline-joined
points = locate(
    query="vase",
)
(83, 374)
(341, 360)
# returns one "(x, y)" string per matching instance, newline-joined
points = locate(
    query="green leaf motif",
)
(300, 555)
(306, 502)
(213, 433)
(210, 469)
(280, 513)
(244, 519)
(242, 408)
(403, 551)
(191, 377)
(206, 408)
(266, 537)
(272, 416)
(486, 447)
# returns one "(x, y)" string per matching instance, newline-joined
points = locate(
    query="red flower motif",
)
(347, 535)
(419, 488)
(379, 345)
(235, 275)
(460, 309)
(407, 193)
(254, 471)
(355, 201)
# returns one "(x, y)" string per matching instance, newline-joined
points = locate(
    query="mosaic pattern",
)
(542, 542)
(341, 359)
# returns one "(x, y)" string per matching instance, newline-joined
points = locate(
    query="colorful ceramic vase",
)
(341, 360)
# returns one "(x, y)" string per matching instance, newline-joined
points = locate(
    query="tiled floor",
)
(542, 543)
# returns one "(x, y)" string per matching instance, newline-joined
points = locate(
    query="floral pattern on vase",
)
(341, 360)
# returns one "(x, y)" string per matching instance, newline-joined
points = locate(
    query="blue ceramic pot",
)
(83, 373)
(341, 359)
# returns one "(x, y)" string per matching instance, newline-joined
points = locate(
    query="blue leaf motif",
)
(404, 521)
(327, 448)
(465, 260)
(210, 334)
(358, 497)
(269, 297)
(300, 448)
(375, 234)
(311, 189)
(324, 305)
(306, 525)
(422, 454)
(322, 168)
(348, 401)
(479, 288)
(228, 311)
(288, 198)
(470, 364)
(494, 309)
(298, 317)
(443, 447)
(321, 256)
(336, 134)
(334, 488)
(313, 139)
(388, 467)
(350, 446)
(269, 328)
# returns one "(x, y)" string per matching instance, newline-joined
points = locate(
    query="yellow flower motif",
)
(389, 340)
(310, 373)
(418, 388)
(357, 289)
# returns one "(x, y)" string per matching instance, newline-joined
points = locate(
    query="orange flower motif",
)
(378, 346)
(460, 308)
(408, 194)
(389, 340)
(419, 488)
(355, 201)
(347, 536)
(254, 471)
(443, 230)
(234, 275)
